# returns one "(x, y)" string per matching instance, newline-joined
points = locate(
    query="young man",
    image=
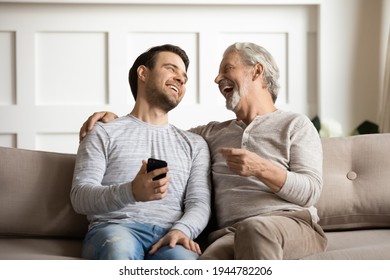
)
(267, 166)
(133, 215)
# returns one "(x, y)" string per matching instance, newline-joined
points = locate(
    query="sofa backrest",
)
(34, 194)
(356, 192)
(35, 188)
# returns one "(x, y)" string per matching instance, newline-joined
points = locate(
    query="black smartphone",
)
(156, 164)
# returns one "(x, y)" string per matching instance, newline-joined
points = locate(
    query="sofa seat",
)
(40, 248)
(370, 244)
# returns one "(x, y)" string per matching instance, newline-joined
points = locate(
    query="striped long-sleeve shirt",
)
(109, 158)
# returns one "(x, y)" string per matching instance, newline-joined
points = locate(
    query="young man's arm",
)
(88, 195)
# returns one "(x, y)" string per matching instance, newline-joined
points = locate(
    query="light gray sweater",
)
(287, 139)
(109, 158)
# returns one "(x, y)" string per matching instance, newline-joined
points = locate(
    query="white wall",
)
(385, 39)
(350, 61)
(329, 53)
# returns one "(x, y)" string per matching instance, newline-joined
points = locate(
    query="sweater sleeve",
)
(197, 208)
(88, 195)
(303, 185)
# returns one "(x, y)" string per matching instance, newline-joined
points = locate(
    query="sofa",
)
(37, 220)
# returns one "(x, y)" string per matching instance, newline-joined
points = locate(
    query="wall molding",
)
(173, 2)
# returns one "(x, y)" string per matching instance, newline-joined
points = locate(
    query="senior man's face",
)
(232, 79)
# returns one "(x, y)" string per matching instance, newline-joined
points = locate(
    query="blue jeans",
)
(130, 242)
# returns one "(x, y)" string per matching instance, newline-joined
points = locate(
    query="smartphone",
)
(156, 164)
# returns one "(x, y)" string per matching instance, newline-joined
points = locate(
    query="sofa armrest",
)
(34, 194)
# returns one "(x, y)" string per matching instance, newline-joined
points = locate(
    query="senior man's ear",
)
(258, 71)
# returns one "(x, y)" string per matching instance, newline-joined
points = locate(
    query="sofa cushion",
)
(372, 244)
(39, 249)
(34, 200)
(356, 192)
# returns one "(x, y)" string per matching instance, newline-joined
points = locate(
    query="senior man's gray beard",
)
(233, 101)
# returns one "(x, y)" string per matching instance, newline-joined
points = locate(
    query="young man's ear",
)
(142, 72)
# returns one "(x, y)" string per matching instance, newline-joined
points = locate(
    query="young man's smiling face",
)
(165, 83)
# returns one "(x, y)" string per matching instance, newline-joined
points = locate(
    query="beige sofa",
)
(37, 220)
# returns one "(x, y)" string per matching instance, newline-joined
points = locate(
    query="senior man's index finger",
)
(230, 151)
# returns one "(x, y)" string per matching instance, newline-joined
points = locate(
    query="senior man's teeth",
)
(227, 89)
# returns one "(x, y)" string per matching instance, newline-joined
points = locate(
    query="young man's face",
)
(165, 86)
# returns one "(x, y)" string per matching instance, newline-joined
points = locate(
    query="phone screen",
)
(156, 164)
